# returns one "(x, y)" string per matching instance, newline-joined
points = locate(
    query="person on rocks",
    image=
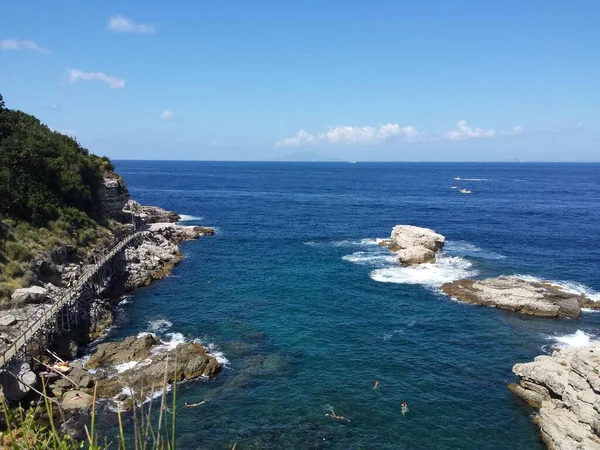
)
(193, 405)
(404, 408)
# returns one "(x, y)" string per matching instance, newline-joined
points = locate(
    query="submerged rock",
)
(514, 294)
(566, 389)
(415, 245)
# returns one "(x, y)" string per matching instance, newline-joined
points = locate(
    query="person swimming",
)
(376, 385)
(404, 408)
(193, 405)
(333, 415)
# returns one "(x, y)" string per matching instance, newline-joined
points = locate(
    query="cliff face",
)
(113, 196)
(566, 389)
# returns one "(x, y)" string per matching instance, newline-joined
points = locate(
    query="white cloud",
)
(78, 75)
(348, 135)
(517, 130)
(13, 44)
(166, 115)
(125, 25)
(301, 139)
(464, 132)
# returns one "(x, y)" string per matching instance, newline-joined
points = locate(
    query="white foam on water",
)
(577, 339)
(567, 286)
(172, 341)
(126, 300)
(214, 351)
(351, 243)
(310, 243)
(443, 270)
(120, 368)
(464, 248)
(475, 179)
(159, 325)
(370, 258)
(188, 218)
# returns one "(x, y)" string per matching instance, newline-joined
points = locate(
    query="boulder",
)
(564, 387)
(74, 400)
(415, 245)
(13, 389)
(33, 294)
(515, 294)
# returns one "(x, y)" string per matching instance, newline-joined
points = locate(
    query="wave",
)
(189, 218)
(471, 179)
(159, 325)
(567, 286)
(463, 248)
(445, 269)
(577, 339)
(214, 351)
(344, 243)
(370, 258)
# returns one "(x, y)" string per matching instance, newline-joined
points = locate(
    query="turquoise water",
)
(309, 311)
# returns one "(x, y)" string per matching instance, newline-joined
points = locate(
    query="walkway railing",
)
(67, 297)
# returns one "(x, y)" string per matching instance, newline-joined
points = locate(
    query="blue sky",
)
(236, 80)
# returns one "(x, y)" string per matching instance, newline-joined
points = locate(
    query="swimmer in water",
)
(193, 405)
(404, 408)
(376, 385)
(333, 415)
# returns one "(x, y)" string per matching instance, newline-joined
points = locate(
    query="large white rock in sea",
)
(415, 245)
(566, 389)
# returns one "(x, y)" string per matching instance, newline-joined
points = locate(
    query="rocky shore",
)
(141, 263)
(414, 245)
(536, 298)
(566, 389)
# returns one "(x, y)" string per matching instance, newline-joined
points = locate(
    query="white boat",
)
(352, 162)
(464, 191)
(457, 178)
(454, 187)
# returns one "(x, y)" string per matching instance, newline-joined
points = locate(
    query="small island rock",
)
(415, 245)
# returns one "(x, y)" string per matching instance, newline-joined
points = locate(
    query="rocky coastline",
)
(139, 264)
(565, 387)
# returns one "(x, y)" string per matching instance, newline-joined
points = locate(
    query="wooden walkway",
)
(67, 298)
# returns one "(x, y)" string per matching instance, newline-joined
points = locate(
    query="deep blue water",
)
(309, 311)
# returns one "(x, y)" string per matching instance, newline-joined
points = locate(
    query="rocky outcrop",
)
(113, 196)
(151, 214)
(33, 294)
(146, 360)
(566, 389)
(414, 245)
(524, 296)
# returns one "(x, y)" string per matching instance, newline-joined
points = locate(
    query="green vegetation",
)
(151, 430)
(49, 187)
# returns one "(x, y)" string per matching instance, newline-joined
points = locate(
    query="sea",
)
(305, 310)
